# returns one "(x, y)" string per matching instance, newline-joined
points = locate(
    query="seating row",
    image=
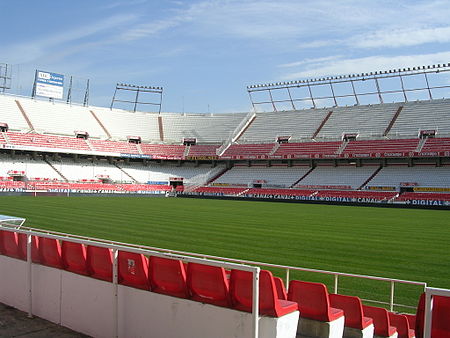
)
(198, 282)
(233, 289)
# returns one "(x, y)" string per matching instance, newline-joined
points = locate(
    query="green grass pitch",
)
(397, 243)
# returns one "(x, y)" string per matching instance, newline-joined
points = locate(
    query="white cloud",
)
(365, 64)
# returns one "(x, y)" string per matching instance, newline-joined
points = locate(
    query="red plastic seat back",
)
(312, 299)
(353, 310)
(34, 248)
(50, 252)
(401, 323)
(381, 320)
(99, 261)
(74, 257)
(440, 324)
(168, 276)
(241, 290)
(9, 244)
(208, 284)
(133, 270)
(281, 290)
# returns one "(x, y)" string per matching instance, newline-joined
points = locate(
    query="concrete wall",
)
(86, 305)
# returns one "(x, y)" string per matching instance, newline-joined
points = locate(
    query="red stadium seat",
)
(281, 290)
(133, 270)
(381, 321)
(99, 261)
(9, 244)
(353, 311)
(440, 324)
(74, 257)
(411, 320)
(34, 248)
(50, 252)
(168, 276)
(241, 289)
(313, 301)
(402, 325)
(208, 284)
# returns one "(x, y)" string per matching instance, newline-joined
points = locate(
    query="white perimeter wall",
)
(86, 305)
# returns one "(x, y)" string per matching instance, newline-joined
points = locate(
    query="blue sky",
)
(204, 53)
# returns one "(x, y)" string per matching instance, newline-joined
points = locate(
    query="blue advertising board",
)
(49, 84)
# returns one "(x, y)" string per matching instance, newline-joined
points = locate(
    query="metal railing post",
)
(336, 280)
(428, 315)
(115, 293)
(29, 278)
(287, 279)
(391, 302)
(255, 305)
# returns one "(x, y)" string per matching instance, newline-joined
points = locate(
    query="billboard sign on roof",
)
(49, 84)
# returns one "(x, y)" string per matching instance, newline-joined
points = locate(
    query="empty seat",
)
(99, 261)
(133, 270)
(401, 323)
(440, 323)
(208, 284)
(241, 290)
(74, 257)
(313, 301)
(50, 252)
(34, 248)
(353, 311)
(411, 320)
(281, 289)
(9, 244)
(381, 321)
(168, 276)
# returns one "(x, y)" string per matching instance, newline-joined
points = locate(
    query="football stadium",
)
(315, 222)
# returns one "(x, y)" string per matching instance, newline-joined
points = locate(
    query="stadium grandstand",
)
(384, 153)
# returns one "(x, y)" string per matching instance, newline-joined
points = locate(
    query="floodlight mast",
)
(330, 81)
(122, 87)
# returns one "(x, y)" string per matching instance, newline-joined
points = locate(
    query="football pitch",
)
(408, 244)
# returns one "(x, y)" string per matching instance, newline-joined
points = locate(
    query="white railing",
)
(429, 293)
(115, 247)
(288, 269)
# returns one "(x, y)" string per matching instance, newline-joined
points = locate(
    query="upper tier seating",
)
(206, 128)
(343, 177)
(367, 121)
(10, 113)
(241, 286)
(202, 150)
(248, 150)
(163, 151)
(47, 141)
(60, 118)
(381, 321)
(422, 115)
(436, 145)
(114, 147)
(421, 175)
(275, 175)
(297, 124)
(307, 149)
(382, 147)
(121, 124)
